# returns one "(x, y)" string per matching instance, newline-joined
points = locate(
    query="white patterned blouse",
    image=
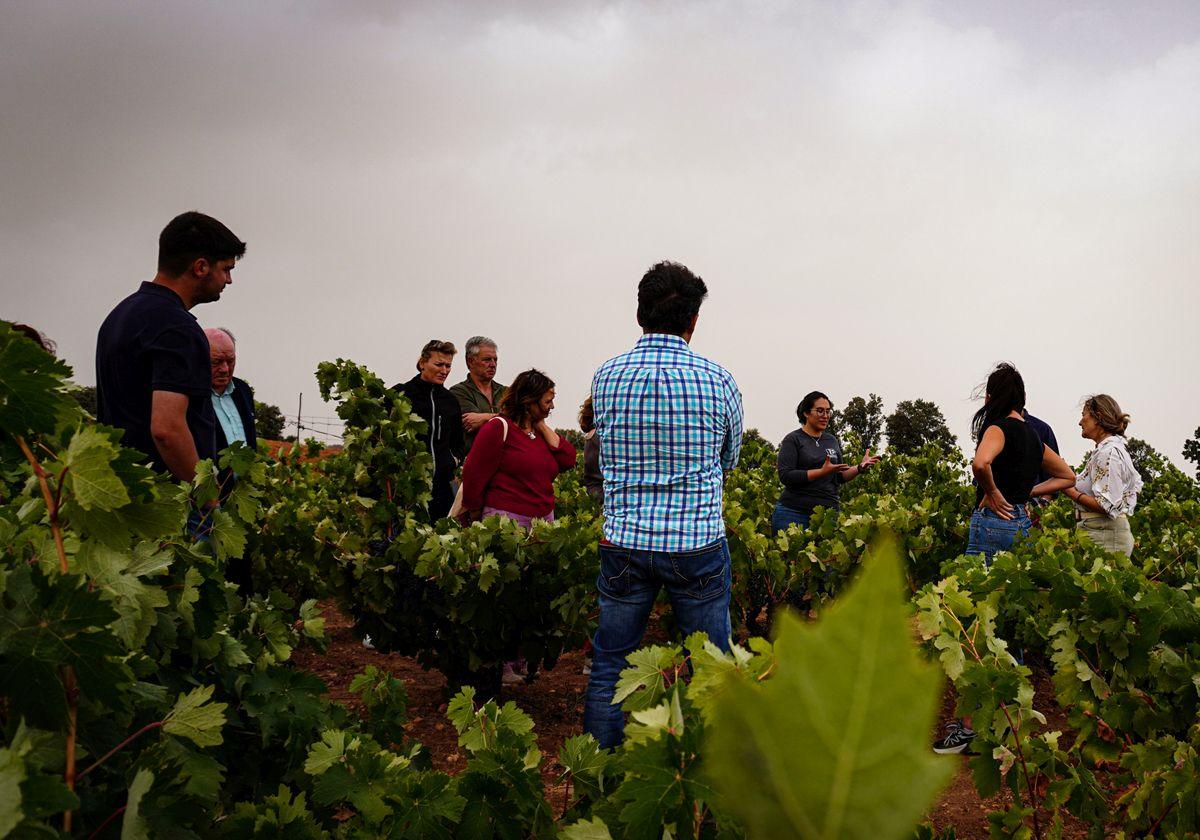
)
(1109, 476)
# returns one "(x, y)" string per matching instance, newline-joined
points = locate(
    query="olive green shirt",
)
(471, 399)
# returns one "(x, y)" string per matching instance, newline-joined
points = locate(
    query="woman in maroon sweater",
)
(512, 465)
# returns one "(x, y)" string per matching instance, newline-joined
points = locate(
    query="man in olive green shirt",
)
(479, 394)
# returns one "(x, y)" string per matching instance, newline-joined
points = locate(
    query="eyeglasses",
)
(822, 411)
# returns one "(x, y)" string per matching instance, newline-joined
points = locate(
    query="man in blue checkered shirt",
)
(670, 425)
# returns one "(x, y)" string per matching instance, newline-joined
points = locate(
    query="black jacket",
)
(440, 409)
(243, 398)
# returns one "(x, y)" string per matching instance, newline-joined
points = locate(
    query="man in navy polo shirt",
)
(152, 360)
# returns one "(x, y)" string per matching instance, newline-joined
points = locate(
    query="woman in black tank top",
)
(1008, 457)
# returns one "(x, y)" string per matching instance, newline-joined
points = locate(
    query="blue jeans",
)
(697, 583)
(200, 524)
(783, 517)
(990, 533)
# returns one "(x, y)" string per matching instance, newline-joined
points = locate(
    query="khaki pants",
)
(1111, 534)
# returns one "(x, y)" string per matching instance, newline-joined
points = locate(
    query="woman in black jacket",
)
(441, 412)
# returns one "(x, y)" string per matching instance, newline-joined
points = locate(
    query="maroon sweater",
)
(516, 474)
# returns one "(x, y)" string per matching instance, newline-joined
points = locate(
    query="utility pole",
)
(299, 408)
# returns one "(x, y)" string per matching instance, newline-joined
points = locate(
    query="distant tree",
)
(85, 395)
(573, 436)
(1191, 450)
(1148, 461)
(268, 421)
(863, 418)
(754, 435)
(916, 423)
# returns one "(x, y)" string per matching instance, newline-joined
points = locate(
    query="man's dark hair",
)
(669, 298)
(810, 400)
(191, 236)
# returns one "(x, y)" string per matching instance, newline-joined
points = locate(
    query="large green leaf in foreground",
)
(836, 743)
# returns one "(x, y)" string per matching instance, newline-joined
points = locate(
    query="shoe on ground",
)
(510, 676)
(956, 740)
(587, 666)
(366, 642)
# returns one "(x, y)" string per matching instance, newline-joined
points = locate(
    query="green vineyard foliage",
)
(142, 695)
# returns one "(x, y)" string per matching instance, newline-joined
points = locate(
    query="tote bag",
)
(456, 508)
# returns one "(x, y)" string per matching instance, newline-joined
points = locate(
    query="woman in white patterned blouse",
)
(1107, 489)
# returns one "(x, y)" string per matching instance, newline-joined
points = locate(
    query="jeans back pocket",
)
(701, 574)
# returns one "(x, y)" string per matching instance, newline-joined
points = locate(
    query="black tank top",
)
(1016, 468)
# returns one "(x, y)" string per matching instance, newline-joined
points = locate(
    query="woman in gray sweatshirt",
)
(810, 465)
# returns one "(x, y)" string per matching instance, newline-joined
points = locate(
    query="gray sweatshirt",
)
(800, 453)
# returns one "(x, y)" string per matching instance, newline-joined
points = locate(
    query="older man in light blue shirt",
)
(232, 399)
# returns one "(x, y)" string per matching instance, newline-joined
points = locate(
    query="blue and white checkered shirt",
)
(670, 423)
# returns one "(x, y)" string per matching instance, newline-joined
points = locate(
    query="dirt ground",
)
(555, 702)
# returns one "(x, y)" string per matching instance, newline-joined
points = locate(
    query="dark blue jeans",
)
(990, 533)
(783, 517)
(200, 523)
(697, 583)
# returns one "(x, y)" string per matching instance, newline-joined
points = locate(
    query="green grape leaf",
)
(228, 536)
(586, 830)
(189, 596)
(581, 755)
(330, 751)
(667, 717)
(643, 684)
(133, 824)
(654, 787)
(461, 710)
(429, 803)
(44, 796)
(195, 718)
(93, 482)
(276, 816)
(313, 621)
(834, 744)
(116, 574)
(712, 667)
(47, 623)
(31, 385)
(12, 774)
(489, 572)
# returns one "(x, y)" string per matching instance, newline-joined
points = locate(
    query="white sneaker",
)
(366, 642)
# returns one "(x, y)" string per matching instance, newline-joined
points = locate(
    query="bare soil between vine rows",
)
(555, 702)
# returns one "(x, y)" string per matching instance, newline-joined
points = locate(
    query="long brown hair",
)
(525, 392)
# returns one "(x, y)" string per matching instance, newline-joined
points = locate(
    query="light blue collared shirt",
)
(669, 422)
(227, 414)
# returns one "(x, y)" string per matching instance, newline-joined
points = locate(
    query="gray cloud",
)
(883, 197)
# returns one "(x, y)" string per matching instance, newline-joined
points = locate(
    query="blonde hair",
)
(1107, 413)
(435, 346)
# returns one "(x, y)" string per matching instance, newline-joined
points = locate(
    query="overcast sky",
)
(882, 197)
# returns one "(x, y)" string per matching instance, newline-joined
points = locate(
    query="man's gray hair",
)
(476, 343)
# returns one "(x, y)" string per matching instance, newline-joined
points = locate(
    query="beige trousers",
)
(1112, 534)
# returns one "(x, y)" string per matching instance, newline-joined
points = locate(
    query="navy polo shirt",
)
(1046, 435)
(148, 343)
